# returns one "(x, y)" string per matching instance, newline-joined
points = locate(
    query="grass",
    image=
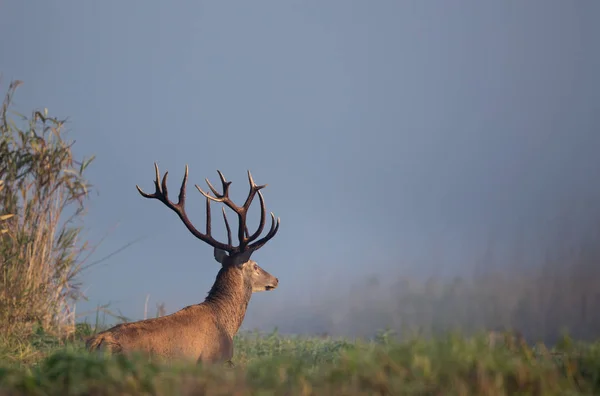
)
(278, 365)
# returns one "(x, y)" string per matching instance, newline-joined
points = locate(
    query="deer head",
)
(229, 256)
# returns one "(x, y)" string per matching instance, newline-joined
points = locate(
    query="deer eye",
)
(255, 267)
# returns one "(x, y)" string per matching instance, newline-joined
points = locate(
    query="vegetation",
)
(5, 216)
(40, 250)
(43, 193)
(276, 365)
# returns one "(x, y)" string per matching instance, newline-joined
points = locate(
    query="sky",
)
(396, 137)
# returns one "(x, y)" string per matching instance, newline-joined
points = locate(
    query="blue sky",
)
(396, 136)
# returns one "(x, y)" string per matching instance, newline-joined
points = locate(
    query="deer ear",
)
(220, 255)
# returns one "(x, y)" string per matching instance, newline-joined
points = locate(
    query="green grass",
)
(278, 365)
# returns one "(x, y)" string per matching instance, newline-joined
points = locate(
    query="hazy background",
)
(401, 141)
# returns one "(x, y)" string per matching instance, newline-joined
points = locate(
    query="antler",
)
(247, 242)
(161, 193)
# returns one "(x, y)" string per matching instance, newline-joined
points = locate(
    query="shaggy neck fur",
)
(229, 298)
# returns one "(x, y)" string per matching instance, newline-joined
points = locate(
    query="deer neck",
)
(229, 298)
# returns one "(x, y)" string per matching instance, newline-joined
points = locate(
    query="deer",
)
(202, 333)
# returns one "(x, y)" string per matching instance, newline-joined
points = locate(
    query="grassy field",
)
(278, 365)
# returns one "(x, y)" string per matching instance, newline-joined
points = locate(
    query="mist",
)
(543, 290)
(434, 164)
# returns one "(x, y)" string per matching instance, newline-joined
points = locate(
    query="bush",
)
(5, 216)
(276, 365)
(40, 249)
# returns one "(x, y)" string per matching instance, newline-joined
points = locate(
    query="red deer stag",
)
(203, 332)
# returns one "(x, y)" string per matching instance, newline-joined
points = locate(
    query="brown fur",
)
(202, 332)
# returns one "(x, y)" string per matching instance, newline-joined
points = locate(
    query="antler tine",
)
(216, 198)
(253, 190)
(224, 197)
(183, 188)
(208, 219)
(263, 220)
(227, 226)
(156, 185)
(157, 179)
(225, 185)
(162, 194)
(164, 190)
(143, 194)
(274, 228)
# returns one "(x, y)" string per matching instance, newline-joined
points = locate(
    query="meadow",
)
(271, 364)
